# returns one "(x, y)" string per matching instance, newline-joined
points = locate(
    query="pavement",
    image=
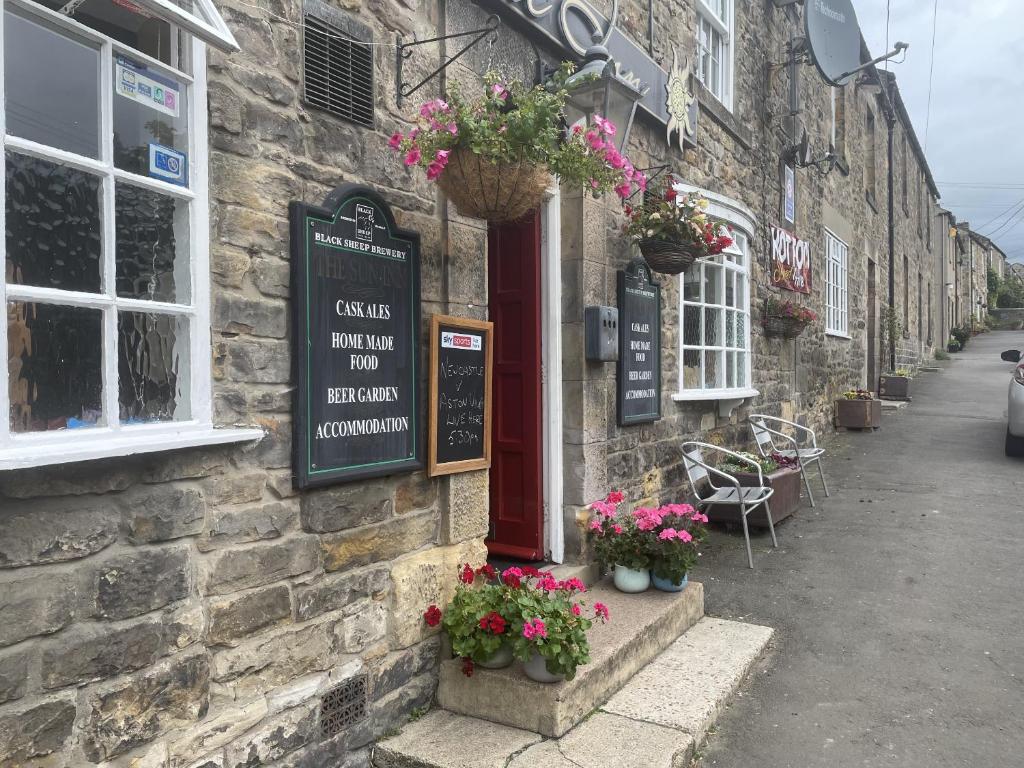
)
(897, 604)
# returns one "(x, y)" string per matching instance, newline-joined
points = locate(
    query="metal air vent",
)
(342, 706)
(337, 70)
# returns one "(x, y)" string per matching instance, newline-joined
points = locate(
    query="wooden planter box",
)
(894, 387)
(859, 414)
(784, 502)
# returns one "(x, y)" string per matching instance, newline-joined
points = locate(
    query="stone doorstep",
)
(894, 405)
(641, 627)
(655, 721)
(930, 368)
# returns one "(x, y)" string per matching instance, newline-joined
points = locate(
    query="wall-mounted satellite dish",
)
(833, 37)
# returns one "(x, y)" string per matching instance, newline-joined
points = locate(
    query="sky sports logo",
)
(451, 340)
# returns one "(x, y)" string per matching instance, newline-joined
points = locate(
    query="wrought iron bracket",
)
(658, 170)
(404, 50)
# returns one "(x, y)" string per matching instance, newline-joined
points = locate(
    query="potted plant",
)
(523, 614)
(785, 318)
(673, 230)
(494, 156)
(858, 409)
(621, 544)
(675, 539)
(780, 473)
(895, 385)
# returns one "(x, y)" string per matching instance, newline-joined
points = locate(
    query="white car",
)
(1015, 405)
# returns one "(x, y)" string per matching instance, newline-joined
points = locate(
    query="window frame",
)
(726, 29)
(837, 286)
(18, 450)
(743, 223)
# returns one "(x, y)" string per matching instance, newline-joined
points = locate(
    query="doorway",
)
(872, 330)
(517, 473)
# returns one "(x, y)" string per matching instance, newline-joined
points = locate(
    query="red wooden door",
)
(513, 275)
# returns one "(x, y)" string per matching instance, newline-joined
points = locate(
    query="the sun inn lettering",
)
(356, 245)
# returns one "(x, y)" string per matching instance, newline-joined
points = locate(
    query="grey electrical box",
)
(601, 326)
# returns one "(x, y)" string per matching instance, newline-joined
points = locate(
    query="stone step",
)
(641, 627)
(655, 721)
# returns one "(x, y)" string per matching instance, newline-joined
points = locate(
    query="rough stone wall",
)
(191, 608)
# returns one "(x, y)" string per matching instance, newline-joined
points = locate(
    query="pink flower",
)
(573, 584)
(576, 610)
(600, 609)
(395, 141)
(615, 497)
(668, 534)
(595, 525)
(617, 528)
(606, 127)
(614, 159)
(624, 190)
(640, 180)
(499, 90)
(699, 517)
(512, 577)
(684, 536)
(412, 156)
(604, 508)
(534, 628)
(452, 128)
(433, 171)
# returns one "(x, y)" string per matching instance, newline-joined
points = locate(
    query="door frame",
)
(553, 534)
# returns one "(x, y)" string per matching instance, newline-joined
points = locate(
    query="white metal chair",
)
(803, 446)
(708, 493)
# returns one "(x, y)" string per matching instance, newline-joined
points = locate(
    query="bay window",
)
(714, 314)
(106, 228)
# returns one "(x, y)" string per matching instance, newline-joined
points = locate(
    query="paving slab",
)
(610, 741)
(441, 739)
(686, 686)
(641, 627)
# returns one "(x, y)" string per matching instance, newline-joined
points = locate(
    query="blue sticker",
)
(168, 164)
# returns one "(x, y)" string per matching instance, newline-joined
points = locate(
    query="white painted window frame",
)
(725, 27)
(837, 296)
(743, 222)
(114, 439)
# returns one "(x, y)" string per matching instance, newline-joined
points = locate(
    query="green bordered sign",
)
(356, 300)
(638, 374)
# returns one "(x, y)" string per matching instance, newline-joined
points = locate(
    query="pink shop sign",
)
(790, 262)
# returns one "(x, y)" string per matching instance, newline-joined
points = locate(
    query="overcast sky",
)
(976, 131)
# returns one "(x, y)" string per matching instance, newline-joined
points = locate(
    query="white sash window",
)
(106, 227)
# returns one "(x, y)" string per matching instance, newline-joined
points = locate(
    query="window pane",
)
(54, 364)
(712, 283)
(741, 330)
(730, 289)
(691, 282)
(713, 373)
(150, 108)
(125, 22)
(691, 369)
(712, 327)
(741, 369)
(730, 329)
(730, 371)
(152, 245)
(152, 367)
(53, 225)
(52, 84)
(691, 326)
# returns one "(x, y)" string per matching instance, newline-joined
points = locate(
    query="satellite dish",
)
(833, 36)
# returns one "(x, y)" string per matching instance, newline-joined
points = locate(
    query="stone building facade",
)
(181, 604)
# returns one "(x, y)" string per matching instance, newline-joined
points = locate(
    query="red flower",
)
(670, 194)
(529, 570)
(467, 575)
(432, 616)
(467, 667)
(486, 570)
(615, 497)
(493, 622)
(600, 609)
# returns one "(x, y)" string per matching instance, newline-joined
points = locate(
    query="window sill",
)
(104, 443)
(727, 399)
(838, 335)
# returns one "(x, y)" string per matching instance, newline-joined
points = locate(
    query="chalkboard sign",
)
(460, 394)
(356, 301)
(638, 389)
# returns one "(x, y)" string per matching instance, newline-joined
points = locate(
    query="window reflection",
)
(54, 363)
(149, 108)
(152, 245)
(53, 225)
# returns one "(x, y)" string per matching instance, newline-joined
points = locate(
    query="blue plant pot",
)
(500, 659)
(537, 669)
(631, 580)
(667, 586)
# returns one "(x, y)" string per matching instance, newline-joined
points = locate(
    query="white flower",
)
(650, 233)
(655, 216)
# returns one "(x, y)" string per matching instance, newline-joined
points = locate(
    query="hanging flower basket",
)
(668, 256)
(783, 327)
(497, 192)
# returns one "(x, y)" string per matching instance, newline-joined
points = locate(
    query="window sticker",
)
(139, 83)
(168, 164)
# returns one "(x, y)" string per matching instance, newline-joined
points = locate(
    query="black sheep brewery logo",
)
(680, 103)
(364, 222)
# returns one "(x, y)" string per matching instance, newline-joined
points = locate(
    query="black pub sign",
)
(638, 379)
(356, 302)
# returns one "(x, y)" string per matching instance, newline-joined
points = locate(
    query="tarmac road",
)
(898, 601)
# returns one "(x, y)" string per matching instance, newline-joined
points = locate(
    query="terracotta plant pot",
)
(497, 192)
(668, 257)
(892, 387)
(859, 414)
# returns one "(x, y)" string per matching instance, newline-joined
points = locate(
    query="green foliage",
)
(564, 645)
(673, 558)
(733, 465)
(462, 618)
(627, 548)
(1010, 294)
(893, 327)
(961, 333)
(941, 355)
(684, 219)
